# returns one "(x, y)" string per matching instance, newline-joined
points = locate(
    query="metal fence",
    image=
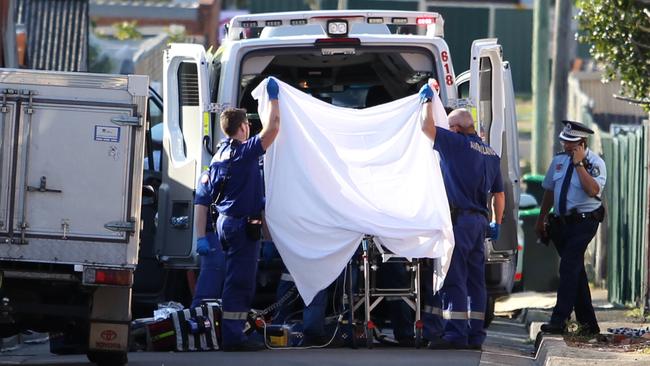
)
(57, 33)
(618, 256)
(626, 153)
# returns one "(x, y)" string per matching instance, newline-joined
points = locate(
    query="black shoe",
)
(552, 328)
(590, 330)
(245, 347)
(441, 343)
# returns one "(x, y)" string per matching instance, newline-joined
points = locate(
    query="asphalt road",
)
(506, 345)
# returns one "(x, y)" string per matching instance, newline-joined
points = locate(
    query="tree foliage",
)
(619, 32)
(127, 30)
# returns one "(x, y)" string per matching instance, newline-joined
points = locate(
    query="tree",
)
(619, 32)
(127, 30)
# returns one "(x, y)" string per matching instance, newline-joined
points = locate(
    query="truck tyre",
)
(102, 358)
(489, 311)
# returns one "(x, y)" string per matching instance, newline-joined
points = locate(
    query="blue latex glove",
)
(272, 89)
(426, 93)
(494, 230)
(202, 246)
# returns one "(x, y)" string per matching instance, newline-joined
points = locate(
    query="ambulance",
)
(349, 58)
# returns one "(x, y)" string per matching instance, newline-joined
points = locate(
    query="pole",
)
(560, 72)
(343, 4)
(541, 151)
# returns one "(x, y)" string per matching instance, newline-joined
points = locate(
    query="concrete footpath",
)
(534, 309)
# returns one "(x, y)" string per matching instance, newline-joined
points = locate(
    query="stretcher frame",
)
(371, 296)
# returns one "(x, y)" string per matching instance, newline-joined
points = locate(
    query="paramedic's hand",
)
(426, 93)
(272, 89)
(434, 84)
(203, 246)
(494, 230)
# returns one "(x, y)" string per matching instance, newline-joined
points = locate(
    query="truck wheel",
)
(489, 312)
(102, 358)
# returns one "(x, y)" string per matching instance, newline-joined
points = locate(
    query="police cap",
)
(574, 131)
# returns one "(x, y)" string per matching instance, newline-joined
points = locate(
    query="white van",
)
(350, 58)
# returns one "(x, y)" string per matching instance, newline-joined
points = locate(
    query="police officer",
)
(573, 186)
(471, 171)
(234, 173)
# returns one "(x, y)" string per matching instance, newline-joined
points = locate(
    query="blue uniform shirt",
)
(577, 198)
(470, 169)
(244, 191)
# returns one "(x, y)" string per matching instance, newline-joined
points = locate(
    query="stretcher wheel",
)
(369, 342)
(418, 338)
(369, 335)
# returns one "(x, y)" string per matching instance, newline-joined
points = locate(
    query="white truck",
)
(71, 148)
(348, 58)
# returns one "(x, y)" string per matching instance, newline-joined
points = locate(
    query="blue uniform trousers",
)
(241, 255)
(457, 311)
(210, 281)
(394, 275)
(313, 316)
(571, 241)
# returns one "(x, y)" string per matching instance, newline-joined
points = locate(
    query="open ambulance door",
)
(496, 122)
(186, 120)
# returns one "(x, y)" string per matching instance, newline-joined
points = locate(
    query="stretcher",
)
(364, 290)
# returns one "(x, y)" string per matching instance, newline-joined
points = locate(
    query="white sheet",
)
(334, 174)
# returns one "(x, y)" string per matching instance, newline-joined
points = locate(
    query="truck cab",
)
(354, 59)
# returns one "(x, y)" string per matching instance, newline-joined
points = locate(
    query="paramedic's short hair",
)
(231, 119)
(461, 117)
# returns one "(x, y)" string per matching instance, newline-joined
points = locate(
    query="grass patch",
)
(644, 350)
(638, 314)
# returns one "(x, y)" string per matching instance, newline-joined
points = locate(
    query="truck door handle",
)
(180, 222)
(42, 187)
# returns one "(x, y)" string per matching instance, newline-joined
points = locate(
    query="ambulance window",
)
(463, 89)
(153, 146)
(485, 95)
(188, 90)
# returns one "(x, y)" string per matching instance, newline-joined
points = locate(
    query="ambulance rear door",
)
(491, 94)
(186, 152)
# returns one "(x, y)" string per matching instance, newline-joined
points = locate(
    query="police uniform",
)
(242, 199)
(470, 170)
(573, 225)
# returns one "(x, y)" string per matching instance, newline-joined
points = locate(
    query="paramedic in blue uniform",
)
(236, 164)
(573, 186)
(210, 281)
(471, 172)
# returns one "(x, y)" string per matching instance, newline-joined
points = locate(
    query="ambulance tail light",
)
(344, 41)
(105, 276)
(425, 20)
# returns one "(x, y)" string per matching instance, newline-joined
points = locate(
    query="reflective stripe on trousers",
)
(446, 314)
(233, 315)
